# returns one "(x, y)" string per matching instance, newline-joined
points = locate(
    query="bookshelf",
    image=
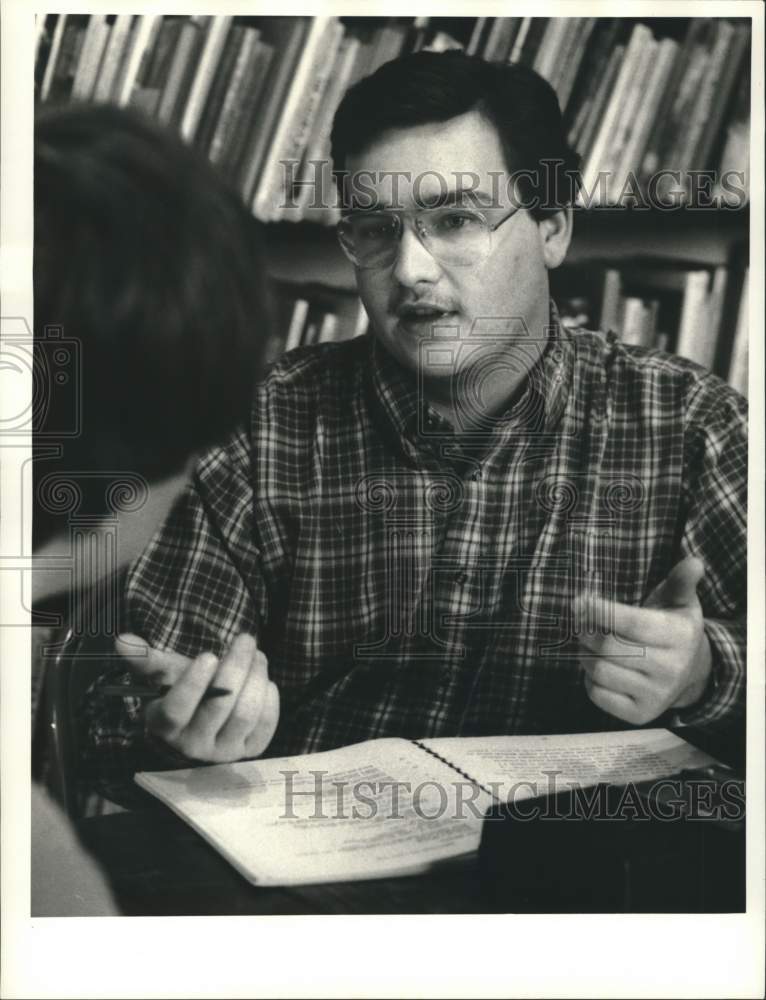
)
(639, 95)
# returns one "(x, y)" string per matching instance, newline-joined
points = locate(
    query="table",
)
(158, 866)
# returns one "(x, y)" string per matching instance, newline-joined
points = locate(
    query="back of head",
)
(429, 87)
(152, 266)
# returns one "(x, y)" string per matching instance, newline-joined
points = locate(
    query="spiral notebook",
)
(391, 807)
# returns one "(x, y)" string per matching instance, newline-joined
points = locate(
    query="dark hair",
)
(436, 86)
(151, 264)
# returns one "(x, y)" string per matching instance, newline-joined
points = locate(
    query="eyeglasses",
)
(453, 235)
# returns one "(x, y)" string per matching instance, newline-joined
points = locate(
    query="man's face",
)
(490, 305)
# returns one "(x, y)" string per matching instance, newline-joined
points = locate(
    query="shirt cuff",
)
(723, 702)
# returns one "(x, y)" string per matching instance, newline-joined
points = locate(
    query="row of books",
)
(316, 314)
(661, 104)
(698, 313)
(255, 92)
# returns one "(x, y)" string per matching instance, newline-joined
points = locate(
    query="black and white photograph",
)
(383, 405)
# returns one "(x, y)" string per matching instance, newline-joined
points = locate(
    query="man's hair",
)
(431, 87)
(151, 264)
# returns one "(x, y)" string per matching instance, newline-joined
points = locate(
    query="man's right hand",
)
(230, 727)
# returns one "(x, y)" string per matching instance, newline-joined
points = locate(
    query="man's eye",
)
(372, 230)
(457, 222)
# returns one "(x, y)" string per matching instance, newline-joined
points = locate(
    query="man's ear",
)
(556, 234)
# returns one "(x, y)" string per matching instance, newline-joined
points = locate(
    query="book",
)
(232, 107)
(596, 58)
(572, 58)
(307, 119)
(53, 53)
(142, 39)
(67, 57)
(693, 333)
(721, 101)
(246, 110)
(96, 37)
(638, 131)
(114, 53)
(738, 364)
(620, 139)
(286, 35)
(595, 181)
(217, 92)
(215, 39)
(698, 121)
(589, 119)
(313, 186)
(184, 57)
(392, 807)
(294, 121)
(674, 109)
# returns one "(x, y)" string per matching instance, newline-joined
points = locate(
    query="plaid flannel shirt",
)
(407, 578)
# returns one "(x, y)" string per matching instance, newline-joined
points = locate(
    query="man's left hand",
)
(641, 661)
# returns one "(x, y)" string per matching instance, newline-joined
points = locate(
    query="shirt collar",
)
(396, 400)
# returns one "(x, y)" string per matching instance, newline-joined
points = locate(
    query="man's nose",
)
(413, 262)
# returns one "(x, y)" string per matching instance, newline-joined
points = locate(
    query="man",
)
(151, 317)
(470, 521)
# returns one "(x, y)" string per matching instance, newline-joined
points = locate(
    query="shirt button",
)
(476, 476)
(461, 578)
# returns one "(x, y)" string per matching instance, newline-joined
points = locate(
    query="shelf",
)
(307, 253)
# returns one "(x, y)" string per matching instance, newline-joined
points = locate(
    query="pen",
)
(137, 691)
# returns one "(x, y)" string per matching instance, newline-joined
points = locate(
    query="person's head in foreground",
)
(150, 311)
(457, 182)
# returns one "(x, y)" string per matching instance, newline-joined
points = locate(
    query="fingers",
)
(615, 677)
(613, 702)
(679, 588)
(170, 716)
(632, 627)
(230, 727)
(160, 665)
(244, 710)
(232, 673)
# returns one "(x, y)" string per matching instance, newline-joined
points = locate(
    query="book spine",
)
(287, 46)
(574, 60)
(648, 105)
(285, 143)
(144, 35)
(547, 59)
(520, 40)
(592, 120)
(297, 322)
(215, 39)
(692, 330)
(231, 161)
(231, 106)
(96, 37)
(738, 367)
(611, 300)
(641, 35)
(185, 50)
(699, 121)
(317, 144)
(113, 56)
(53, 55)
(626, 119)
(318, 147)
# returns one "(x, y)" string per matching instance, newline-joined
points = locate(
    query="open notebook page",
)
(332, 816)
(526, 766)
